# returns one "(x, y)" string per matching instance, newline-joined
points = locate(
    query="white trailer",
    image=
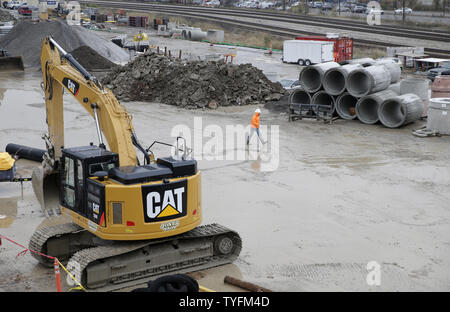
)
(305, 52)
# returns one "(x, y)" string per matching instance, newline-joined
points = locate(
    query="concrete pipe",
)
(184, 33)
(334, 79)
(177, 31)
(367, 106)
(366, 61)
(419, 87)
(215, 35)
(400, 110)
(311, 76)
(395, 87)
(196, 35)
(327, 102)
(393, 68)
(345, 106)
(300, 96)
(364, 81)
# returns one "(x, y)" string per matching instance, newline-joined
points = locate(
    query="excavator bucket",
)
(45, 187)
(11, 63)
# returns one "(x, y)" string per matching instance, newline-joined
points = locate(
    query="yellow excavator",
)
(130, 219)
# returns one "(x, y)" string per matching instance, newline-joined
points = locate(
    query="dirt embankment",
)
(197, 84)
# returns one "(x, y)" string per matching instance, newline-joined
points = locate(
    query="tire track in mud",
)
(348, 276)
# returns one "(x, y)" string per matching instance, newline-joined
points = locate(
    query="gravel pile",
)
(25, 40)
(156, 78)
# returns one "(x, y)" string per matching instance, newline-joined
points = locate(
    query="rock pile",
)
(197, 84)
(5, 16)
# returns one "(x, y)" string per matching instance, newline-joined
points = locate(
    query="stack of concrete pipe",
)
(367, 89)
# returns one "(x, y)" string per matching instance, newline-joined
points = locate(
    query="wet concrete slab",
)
(343, 195)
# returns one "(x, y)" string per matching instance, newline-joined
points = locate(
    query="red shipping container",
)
(343, 46)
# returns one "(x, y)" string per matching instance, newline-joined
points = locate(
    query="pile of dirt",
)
(91, 60)
(156, 78)
(5, 16)
(25, 40)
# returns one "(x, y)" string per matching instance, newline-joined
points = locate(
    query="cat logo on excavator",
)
(71, 85)
(164, 201)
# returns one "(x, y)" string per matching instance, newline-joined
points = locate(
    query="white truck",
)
(305, 52)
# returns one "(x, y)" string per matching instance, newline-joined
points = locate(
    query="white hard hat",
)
(258, 111)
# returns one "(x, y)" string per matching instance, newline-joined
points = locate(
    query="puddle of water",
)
(8, 211)
(18, 110)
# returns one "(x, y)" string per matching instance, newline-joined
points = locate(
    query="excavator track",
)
(122, 264)
(41, 236)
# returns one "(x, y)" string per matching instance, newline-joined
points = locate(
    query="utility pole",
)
(403, 9)
(306, 7)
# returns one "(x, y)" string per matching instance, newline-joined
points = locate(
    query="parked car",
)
(14, 5)
(374, 11)
(343, 9)
(359, 9)
(432, 73)
(290, 84)
(327, 6)
(400, 11)
(24, 10)
(5, 4)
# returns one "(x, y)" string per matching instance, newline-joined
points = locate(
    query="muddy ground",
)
(342, 195)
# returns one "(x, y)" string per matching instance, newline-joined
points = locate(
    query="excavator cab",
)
(78, 164)
(128, 202)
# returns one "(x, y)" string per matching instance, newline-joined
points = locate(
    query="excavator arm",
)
(111, 117)
(60, 71)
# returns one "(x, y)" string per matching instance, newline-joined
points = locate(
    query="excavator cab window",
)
(78, 165)
(68, 183)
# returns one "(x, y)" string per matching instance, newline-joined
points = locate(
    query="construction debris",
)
(156, 78)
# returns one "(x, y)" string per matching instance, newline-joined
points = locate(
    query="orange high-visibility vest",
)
(255, 121)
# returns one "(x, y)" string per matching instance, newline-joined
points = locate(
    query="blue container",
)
(8, 175)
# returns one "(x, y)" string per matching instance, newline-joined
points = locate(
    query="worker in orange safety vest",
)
(254, 127)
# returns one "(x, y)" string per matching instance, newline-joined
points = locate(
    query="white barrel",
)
(439, 115)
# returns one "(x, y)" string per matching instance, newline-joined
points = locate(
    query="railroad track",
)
(229, 16)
